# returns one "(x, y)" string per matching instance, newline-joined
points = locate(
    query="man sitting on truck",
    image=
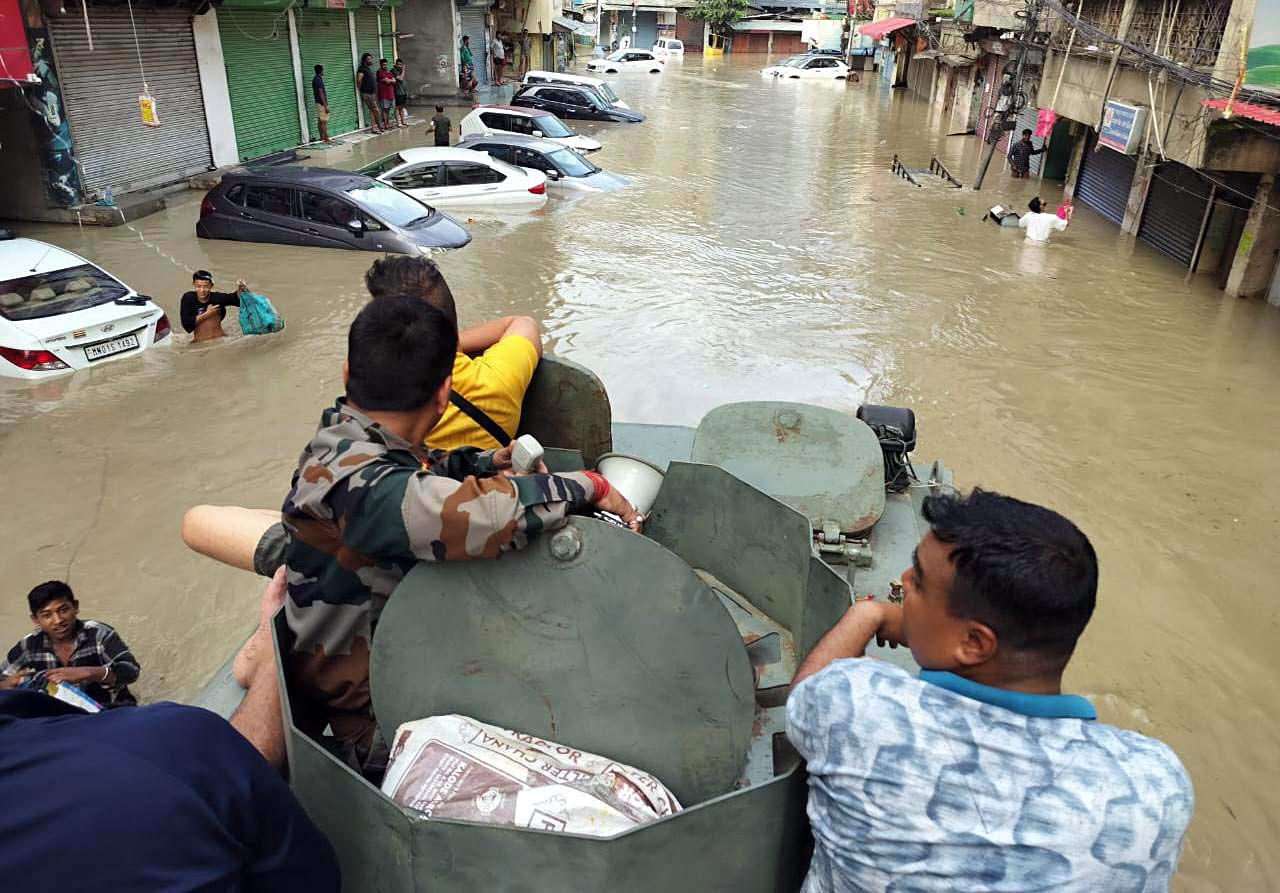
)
(979, 774)
(368, 502)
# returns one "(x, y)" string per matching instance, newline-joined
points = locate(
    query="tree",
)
(719, 14)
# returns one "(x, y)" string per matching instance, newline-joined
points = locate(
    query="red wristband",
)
(600, 483)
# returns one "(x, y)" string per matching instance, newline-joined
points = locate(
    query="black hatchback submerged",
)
(323, 208)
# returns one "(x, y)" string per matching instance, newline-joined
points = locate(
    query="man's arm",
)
(188, 310)
(122, 665)
(849, 637)
(478, 339)
(14, 669)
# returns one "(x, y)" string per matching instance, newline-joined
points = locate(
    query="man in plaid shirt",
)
(85, 653)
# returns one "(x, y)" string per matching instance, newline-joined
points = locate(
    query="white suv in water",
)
(60, 312)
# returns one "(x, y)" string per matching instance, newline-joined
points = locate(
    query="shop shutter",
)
(646, 30)
(1105, 179)
(690, 32)
(259, 60)
(324, 38)
(389, 48)
(1175, 207)
(1027, 119)
(100, 89)
(471, 23)
(367, 36)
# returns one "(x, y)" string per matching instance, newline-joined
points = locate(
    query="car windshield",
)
(58, 291)
(573, 164)
(616, 55)
(550, 126)
(794, 61)
(389, 204)
(381, 166)
(607, 92)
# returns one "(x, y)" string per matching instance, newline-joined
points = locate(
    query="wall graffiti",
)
(53, 134)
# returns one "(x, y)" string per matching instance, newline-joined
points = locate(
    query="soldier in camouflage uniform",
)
(368, 502)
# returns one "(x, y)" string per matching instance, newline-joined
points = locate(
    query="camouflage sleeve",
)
(462, 463)
(435, 518)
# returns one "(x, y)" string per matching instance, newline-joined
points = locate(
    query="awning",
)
(569, 24)
(1267, 114)
(877, 30)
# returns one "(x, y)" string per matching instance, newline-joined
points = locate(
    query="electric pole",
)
(1008, 105)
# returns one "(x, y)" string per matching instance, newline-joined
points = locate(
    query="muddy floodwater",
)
(764, 250)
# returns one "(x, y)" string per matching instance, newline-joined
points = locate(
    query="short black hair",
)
(1035, 205)
(1022, 569)
(382, 61)
(48, 592)
(408, 275)
(1026, 132)
(466, 38)
(368, 56)
(319, 68)
(440, 109)
(400, 350)
(202, 274)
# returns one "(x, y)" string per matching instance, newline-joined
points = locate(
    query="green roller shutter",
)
(388, 36)
(367, 30)
(324, 38)
(264, 99)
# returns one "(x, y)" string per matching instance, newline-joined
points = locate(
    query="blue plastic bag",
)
(258, 316)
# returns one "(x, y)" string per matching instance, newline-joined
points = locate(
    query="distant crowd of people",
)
(978, 773)
(501, 48)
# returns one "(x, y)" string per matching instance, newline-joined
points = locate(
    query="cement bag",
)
(460, 768)
(258, 316)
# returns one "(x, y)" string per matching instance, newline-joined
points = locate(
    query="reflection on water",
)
(764, 250)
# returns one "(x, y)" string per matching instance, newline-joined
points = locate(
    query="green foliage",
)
(719, 14)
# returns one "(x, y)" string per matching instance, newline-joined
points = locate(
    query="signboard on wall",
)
(1122, 126)
(14, 55)
(1262, 70)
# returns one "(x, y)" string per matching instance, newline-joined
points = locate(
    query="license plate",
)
(107, 348)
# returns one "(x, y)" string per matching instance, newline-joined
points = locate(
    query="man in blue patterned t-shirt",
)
(979, 775)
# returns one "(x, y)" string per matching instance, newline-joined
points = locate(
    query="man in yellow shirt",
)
(495, 360)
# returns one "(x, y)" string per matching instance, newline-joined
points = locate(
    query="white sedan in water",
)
(628, 60)
(451, 176)
(819, 67)
(60, 312)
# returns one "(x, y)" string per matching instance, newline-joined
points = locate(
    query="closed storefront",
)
(388, 34)
(471, 24)
(101, 86)
(1176, 202)
(1105, 179)
(691, 32)
(260, 81)
(324, 38)
(920, 76)
(646, 27)
(750, 42)
(369, 36)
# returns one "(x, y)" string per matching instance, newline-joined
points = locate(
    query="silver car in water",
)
(566, 170)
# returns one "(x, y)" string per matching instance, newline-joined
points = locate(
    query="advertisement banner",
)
(15, 57)
(1262, 70)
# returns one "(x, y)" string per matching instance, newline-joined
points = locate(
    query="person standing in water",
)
(203, 309)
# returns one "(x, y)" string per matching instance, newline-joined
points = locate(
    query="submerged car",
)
(452, 175)
(668, 48)
(572, 102)
(323, 208)
(811, 66)
(528, 122)
(60, 312)
(628, 60)
(565, 169)
(599, 85)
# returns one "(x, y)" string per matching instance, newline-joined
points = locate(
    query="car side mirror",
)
(356, 226)
(537, 133)
(553, 175)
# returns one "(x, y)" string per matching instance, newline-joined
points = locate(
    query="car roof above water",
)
(18, 257)
(512, 139)
(297, 175)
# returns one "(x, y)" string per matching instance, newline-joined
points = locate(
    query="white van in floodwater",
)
(554, 77)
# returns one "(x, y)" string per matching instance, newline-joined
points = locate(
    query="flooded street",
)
(763, 251)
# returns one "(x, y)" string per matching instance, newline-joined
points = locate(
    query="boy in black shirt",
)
(203, 309)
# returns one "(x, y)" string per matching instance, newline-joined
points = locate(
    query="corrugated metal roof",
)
(1267, 114)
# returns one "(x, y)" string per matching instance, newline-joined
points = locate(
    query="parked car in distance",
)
(528, 122)
(600, 85)
(323, 208)
(816, 66)
(60, 312)
(628, 60)
(572, 102)
(447, 175)
(565, 169)
(668, 48)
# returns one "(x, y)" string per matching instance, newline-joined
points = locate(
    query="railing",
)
(937, 167)
(902, 171)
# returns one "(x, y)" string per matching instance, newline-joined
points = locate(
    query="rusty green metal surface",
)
(825, 464)
(566, 406)
(591, 635)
